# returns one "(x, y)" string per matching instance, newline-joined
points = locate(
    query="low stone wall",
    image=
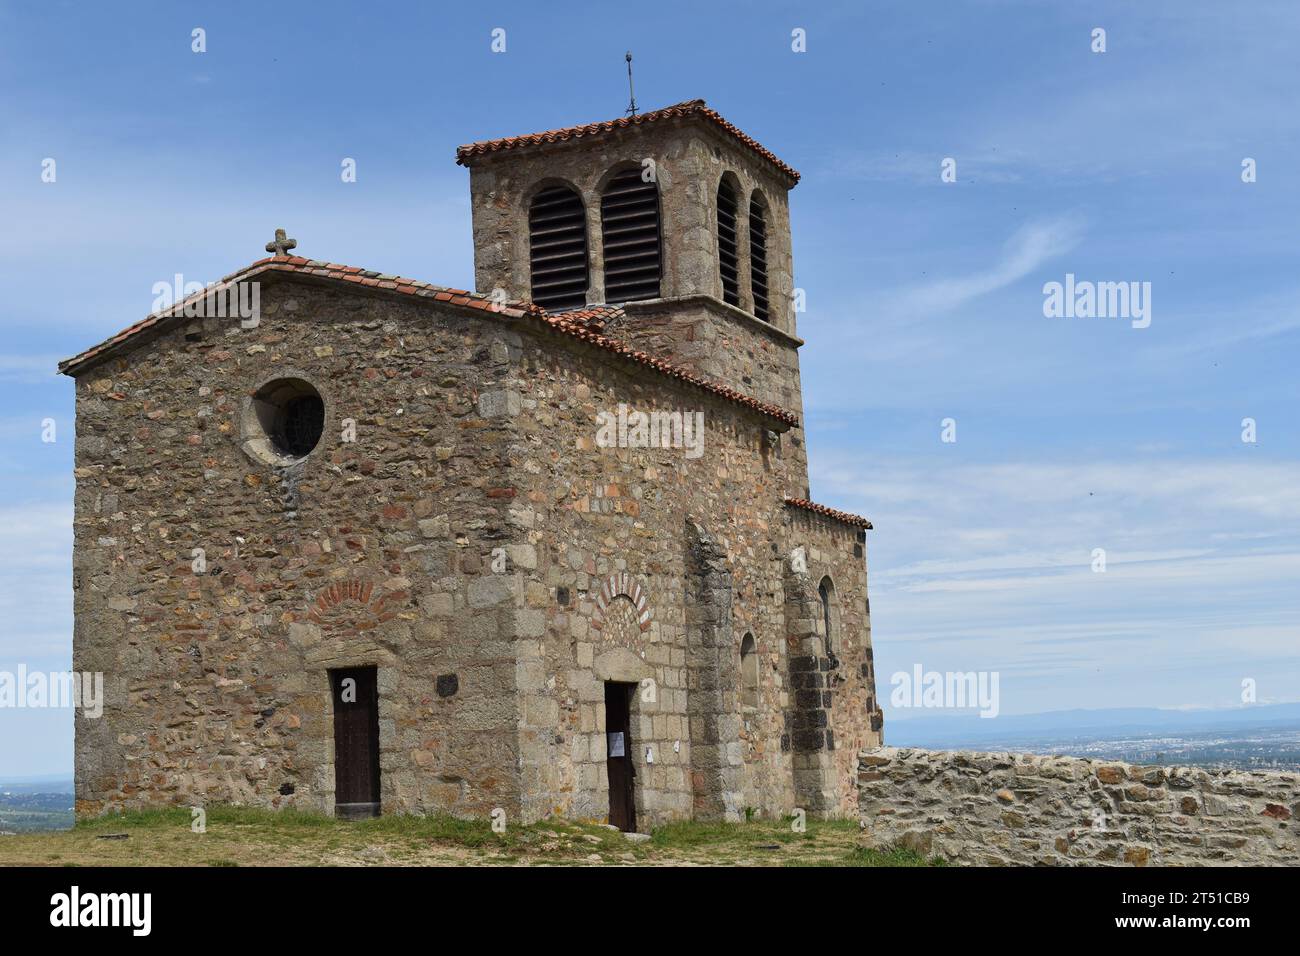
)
(995, 809)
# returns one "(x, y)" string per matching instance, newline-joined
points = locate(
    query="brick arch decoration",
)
(622, 584)
(352, 605)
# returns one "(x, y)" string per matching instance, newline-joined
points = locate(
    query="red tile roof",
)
(844, 516)
(579, 330)
(593, 317)
(574, 325)
(466, 154)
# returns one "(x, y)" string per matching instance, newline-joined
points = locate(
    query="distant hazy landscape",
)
(1256, 737)
(1248, 738)
(35, 803)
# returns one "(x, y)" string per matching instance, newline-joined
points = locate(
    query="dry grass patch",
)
(237, 836)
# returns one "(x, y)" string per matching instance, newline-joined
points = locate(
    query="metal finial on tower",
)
(631, 108)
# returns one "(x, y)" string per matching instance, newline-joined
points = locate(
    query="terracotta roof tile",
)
(467, 153)
(593, 317)
(844, 516)
(573, 325)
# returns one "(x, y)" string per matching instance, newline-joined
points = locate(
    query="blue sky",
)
(924, 298)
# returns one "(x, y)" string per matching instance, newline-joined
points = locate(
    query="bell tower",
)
(676, 217)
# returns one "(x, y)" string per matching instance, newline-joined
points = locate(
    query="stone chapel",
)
(545, 548)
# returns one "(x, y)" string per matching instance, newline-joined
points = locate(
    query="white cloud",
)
(989, 566)
(984, 165)
(1028, 248)
(36, 579)
(27, 369)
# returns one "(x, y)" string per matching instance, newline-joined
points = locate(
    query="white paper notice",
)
(616, 744)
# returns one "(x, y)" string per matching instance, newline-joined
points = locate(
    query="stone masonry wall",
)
(691, 157)
(833, 703)
(372, 552)
(594, 514)
(1019, 809)
(690, 325)
(726, 344)
(474, 435)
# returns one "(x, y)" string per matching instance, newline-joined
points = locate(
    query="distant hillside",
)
(29, 811)
(966, 731)
(54, 783)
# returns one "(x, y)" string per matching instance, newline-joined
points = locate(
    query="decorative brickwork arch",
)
(620, 623)
(622, 584)
(353, 606)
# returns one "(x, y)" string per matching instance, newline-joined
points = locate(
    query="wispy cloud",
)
(923, 169)
(991, 566)
(1235, 324)
(26, 369)
(35, 578)
(1023, 253)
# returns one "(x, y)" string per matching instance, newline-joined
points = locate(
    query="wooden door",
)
(356, 742)
(618, 755)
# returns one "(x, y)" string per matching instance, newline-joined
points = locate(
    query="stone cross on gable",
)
(281, 244)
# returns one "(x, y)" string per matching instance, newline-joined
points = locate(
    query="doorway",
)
(356, 742)
(618, 755)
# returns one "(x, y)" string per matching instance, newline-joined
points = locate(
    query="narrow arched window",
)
(826, 590)
(749, 671)
(728, 259)
(557, 249)
(758, 256)
(629, 222)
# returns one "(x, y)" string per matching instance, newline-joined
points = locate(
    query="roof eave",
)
(277, 268)
(843, 517)
(471, 153)
(368, 282)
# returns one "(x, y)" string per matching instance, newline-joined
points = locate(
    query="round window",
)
(284, 421)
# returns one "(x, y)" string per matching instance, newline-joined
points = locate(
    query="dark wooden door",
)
(618, 755)
(356, 742)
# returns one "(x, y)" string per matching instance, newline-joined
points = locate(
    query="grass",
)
(239, 836)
